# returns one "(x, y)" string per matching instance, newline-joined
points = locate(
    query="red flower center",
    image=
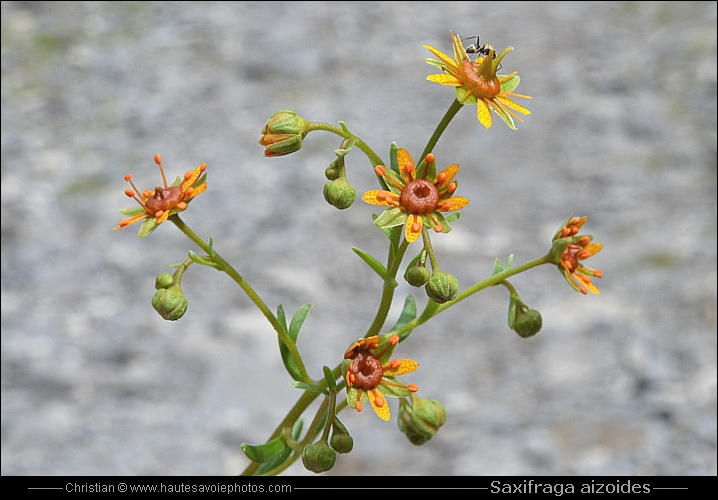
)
(367, 370)
(164, 199)
(419, 196)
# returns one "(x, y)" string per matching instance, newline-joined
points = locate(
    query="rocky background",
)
(623, 129)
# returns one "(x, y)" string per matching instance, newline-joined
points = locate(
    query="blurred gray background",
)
(623, 129)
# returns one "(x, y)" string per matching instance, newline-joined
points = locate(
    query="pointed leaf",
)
(280, 458)
(377, 266)
(407, 314)
(309, 387)
(147, 227)
(293, 331)
(265, 452)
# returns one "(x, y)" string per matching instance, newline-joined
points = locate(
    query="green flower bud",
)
(522, 319)
(341, 441)
(527, 323)
(283, 133)
(417, 275)
(164, 280)
(318, 457)
(339, 194)
(170, 303)
(442, 287)
(421, 419)
(334, 170)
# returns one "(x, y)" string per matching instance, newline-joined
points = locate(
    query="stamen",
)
(412, 387)
(584, 240)
(430, 158)
(380, 170)
(598, 273)
(162, 170)
(129, 193)
(394, 364)
(378, 398)
(394, 339)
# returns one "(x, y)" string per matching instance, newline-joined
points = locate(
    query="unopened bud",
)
(341, 441)
(283, 133)
(339, 194)
(442, 287)
(523, 320)
(164, 280)
(170, 303)
(421, 418)
(417, 275)
(318, 457)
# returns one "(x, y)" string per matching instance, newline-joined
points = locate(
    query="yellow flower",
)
(370, 375)
(155, 207)
(569, 250)
(417, 196)
(477, 82)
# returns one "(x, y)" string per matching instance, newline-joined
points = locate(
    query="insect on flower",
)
(476, 48)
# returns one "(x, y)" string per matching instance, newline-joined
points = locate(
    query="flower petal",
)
(454, 203)
(373, 197)
(411, 233)
(483, 113)
(446, 59)
(406, 366)
(382, 410)
(444, 79)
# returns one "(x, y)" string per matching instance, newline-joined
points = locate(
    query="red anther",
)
(128, 177)
(158, 159)
(394, 339)
(395, 363)
(129, 193)
(412, 387)
(598, 273)
(430, 158)
(584, 240)
(380, 170)
(439, 228)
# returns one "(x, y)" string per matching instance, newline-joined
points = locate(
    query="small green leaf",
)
(510, 84)
(282, 317)
(147, 227)
(499, 266)
(392, 157)
(377, 266)
(298, 320)
(391, 217)
(407, 314)
(131, 212)
(309, 387)
(263, 453)
(281, 457)
(293, 331)
(329, 377)
(201, 260)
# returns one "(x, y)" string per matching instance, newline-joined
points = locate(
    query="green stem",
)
(373, 157)
(432, 308)
(224, 266)
(387, 294)
(441, 127)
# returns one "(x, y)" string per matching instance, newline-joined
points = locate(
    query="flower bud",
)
(421, 419)
(527, 323)
(341, 441)
(417, 275)
(442, 287)
(334, 170)
(318, 457)
(339, 194)
(170, 303)
(164, 280)
(283, 133)
(523, 320)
